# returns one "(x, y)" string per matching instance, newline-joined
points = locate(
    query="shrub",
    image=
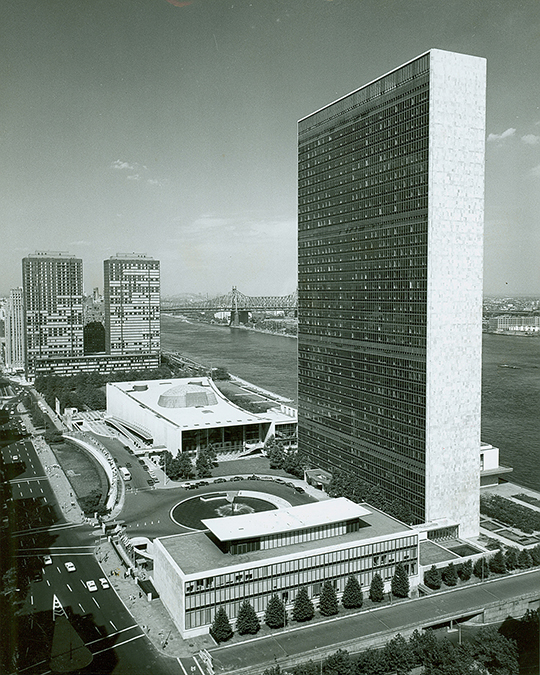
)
(400, 582)
(303, 609)
(328, 604)
(376, 589)
(247, 621)
(510, 513)
(511, 558)
(524, 559)
(497, 563)
(449, 575)
(481, 568)
(352, 595)
(221, 629)
(535, 554)
(465, 570)
(433, 578)
(276, 614)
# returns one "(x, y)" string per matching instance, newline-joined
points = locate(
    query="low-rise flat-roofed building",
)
(187, 414)
(255, 556)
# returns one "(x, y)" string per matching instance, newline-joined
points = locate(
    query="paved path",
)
(391, 618)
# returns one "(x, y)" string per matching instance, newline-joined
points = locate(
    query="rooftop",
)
(188, 403)
(284, 520)
(196, 554)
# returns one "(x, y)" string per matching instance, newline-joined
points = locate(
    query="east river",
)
(510, 395)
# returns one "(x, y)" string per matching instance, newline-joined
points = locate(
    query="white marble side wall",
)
(455, 266)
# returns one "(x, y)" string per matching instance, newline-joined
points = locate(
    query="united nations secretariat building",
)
(255, 555)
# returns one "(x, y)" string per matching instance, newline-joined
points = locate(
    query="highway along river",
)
(510, 395)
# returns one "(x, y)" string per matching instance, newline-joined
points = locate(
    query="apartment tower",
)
(52, 292)
(132, 310)
(15, 330)
(391, 199)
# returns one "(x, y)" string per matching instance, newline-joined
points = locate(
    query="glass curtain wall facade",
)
(365, 220)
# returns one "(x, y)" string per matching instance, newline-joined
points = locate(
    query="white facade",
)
(454, 292)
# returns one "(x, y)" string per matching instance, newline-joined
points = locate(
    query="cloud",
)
(535, 171)
(155, 181)
(134, 176)
(500, 137)
(80, 242)
(119, 165)
(531, 139)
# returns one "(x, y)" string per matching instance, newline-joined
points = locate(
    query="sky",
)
(168, 127)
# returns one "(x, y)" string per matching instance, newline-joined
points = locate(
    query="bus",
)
(125, 473)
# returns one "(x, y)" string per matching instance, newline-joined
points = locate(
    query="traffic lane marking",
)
(119, 644)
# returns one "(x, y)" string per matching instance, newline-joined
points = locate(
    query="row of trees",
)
(510, 513)
(303, 609)
(181, 467)
(357, 490)
(490, 651)
(500, 563)
(291, 460)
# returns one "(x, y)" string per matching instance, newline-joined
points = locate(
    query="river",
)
(510, 396)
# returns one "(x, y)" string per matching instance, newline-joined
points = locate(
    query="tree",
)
(497, 563)
(511, 558)
(399, 655)
(338, 663)
(535, 554)
(524, 559)
(203, 465)
(247, 621)
(400, 582)
(328, 603)
(465, 570)
(276, 614)
(376, 590)
(185, 466)
(433, 578)
(498, 654)
(303, 609)
(221, 629)
(481, 568)
(352, 595)
(449, 575)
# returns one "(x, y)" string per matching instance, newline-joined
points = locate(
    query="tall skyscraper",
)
(132, 310)
(15, 330)
(52, 290)
(391, 198)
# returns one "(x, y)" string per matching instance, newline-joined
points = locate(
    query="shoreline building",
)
(391, 201)
(254, 556)
(132, 304)
(14, 330)
(52, 295)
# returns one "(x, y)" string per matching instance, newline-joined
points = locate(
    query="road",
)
(100, 617)
(423, 612)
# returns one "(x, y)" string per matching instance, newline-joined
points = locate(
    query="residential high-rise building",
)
(391, 198)
(132, 310)
(52, 291)
(14, 329)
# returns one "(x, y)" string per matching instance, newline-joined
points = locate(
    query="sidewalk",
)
(151, 616)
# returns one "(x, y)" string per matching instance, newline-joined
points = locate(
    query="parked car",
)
(299, 489)
(220, 480)
(128, 464)
(238, 478)
(91, 585)
(47, 560)
(104, 583)
(70, 567)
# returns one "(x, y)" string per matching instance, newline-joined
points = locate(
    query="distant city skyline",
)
(170, 130)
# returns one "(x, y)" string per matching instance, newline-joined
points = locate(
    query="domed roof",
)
(187, 396)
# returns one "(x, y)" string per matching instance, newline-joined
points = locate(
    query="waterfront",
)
(510, 396)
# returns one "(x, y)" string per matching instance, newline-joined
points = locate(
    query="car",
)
(70, 567)
(104, 583)
(91, 585)
(37, 576)
(291, 485)
(299, 489)
(280, 480)
(220, 480)
(15, 458)
(128, 464)
(47, 560)
(238, 478)
(202, 483)
(253, 477)
(150, 481)
(192, 487)
(186, 486)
